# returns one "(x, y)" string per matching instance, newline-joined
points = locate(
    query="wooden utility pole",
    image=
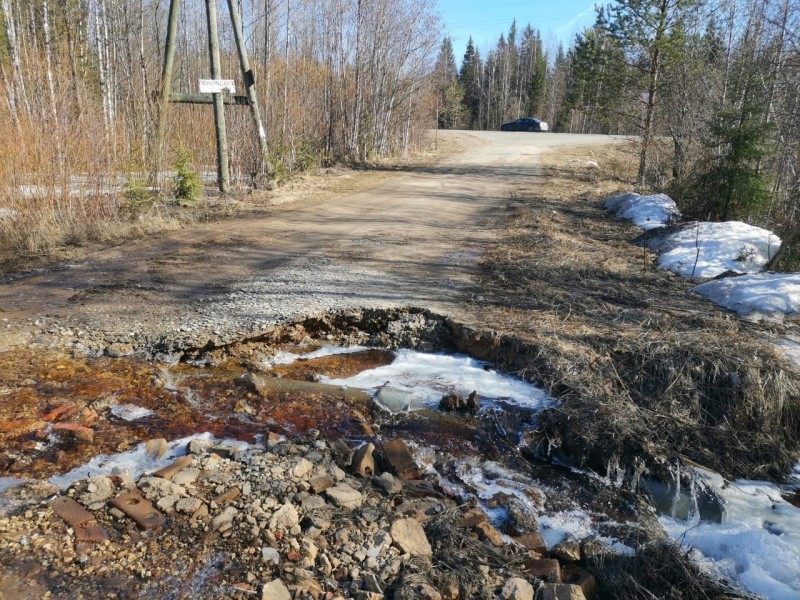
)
(223, 174)
(216, 88)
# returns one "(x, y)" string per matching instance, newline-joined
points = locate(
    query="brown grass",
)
(646, 370)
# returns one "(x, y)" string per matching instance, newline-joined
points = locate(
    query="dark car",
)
(524, 124)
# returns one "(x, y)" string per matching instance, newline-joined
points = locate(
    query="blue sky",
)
(485, 20)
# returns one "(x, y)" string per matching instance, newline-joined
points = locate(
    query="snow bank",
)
(705, 250)
(756, 297)
(647, 212)
(757, 543)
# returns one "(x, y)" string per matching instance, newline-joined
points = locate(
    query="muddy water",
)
(42, 392)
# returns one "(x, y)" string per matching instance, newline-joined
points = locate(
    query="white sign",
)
(217, 86)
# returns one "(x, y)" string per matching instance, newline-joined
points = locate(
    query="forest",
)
(709, 87)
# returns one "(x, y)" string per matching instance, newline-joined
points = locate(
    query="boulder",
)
(409, 536)
(516, 588)
(275, 590)
(344, 496)
(560, 591)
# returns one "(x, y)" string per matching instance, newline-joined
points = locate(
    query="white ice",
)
(427, 377)
(136, 462)
(647, 212)
(6, 483)
(286, 358)
(791, 350)
(130, 412)
(766, 296)
(757, 543)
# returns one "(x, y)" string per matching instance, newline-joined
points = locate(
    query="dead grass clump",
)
(659, 570)
(646, 370)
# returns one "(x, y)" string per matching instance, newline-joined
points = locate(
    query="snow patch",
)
(757, 543)
(768, 296)
(136, 462)
(705, 250)
(427, 377)
(647, 212)
(6, 483)
(286, 358)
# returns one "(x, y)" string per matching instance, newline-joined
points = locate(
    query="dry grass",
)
(647, 371)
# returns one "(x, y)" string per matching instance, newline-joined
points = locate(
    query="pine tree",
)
(470, 79)
(449, 93)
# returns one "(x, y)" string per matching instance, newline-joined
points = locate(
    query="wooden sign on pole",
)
(212, 91)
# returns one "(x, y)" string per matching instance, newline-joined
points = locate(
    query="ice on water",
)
(426, 377)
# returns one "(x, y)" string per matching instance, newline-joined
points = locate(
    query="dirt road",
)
(414, 240)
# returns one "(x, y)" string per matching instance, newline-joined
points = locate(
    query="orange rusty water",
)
(41, 392)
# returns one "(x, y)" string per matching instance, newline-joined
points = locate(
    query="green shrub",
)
(187, 181)
(138, 195)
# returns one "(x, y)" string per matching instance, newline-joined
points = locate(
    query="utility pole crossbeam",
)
(216, 97)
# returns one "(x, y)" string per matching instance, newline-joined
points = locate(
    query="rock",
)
(487, 533)
(174, 468)
(186, 477)
(312, 503)
(96, 492)
(302, 468)
(533, 541)
(547, 569)
(380, 541)
(454, 402)
(275, 590)
(363, 463)
(560, 591)
(167, 503)
(574, 575)
(420, 591)
(272, 439)
(472, 517)
(399, 458)
(519, 519)
(228, 496)
(285, 518)
(199, 446)
(270, 556)
(388, 483)
(517, 588)
(76, 431)
(157, 448)
(154, 488)
(343, 496)
(321, 483)
(567, 551)
(409, 536)
(224, 520)
(88, 417)
(188, 506)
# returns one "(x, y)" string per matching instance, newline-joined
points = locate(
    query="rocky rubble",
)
(299, 519)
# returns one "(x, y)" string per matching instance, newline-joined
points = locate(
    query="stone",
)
(187, 476)
(199, 446)
(167, 503)
(363, 463)
(343, 496)
(156, 448)
(547, 569)
(380, 541)
(388, 483)
(154, 488)
(224, 520)
(275, 590)
(560, 591)
(567, 551)
(472, 517)
(171, 470)
(188, 506)
(285, 518)
(96, 492)
(399, 458)
(454, 402)
(270, 556)
(321, 483)
(533, 541)
(137, 508)
(229, 496)
(487, 533)
(88, 416)
(78, 432)
(519, 520)
(516, 588)
(409, 536)
(574, 575)
(312, 503)
(302, 468)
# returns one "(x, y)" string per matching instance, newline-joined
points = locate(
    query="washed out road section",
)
(413, 240)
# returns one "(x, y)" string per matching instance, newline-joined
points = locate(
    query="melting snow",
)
(705, 250)
(6, 483)
(647, 212)
(425, 378)
(136, 462)
(286, 358)
(757, 542)
(769, 295)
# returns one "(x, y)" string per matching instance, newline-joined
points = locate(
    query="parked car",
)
(524, 124)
